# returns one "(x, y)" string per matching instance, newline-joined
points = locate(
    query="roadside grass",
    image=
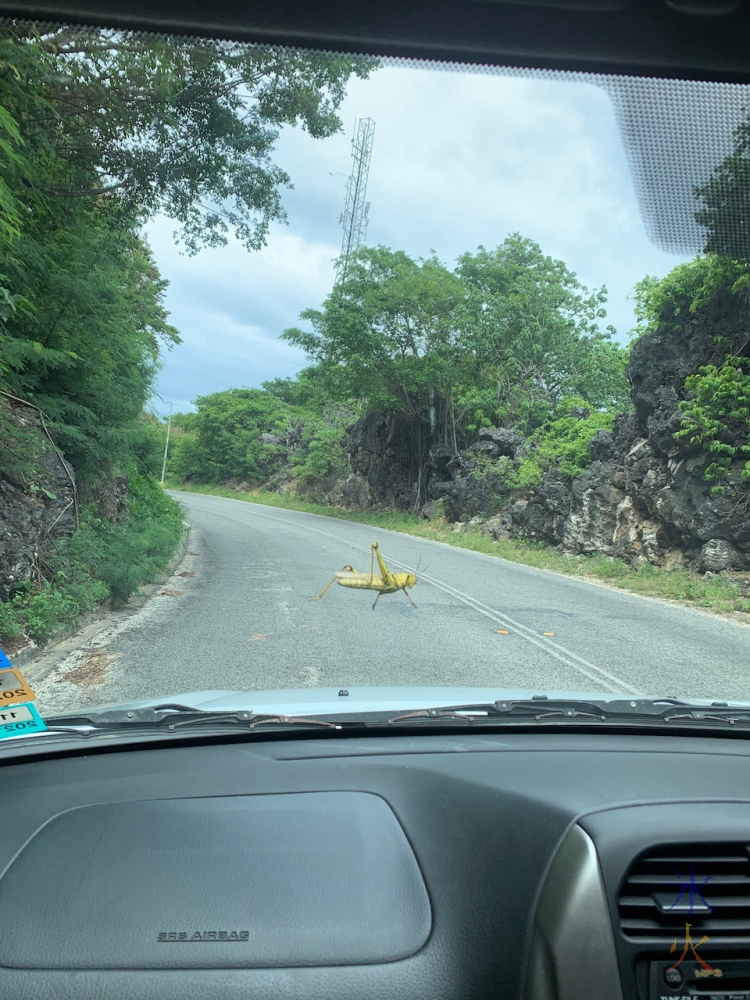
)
(717, 594)
(100, 562)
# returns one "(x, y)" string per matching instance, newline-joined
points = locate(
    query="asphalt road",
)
(238, 615)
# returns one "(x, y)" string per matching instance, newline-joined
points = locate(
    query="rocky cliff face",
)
(645, 497)
(36, 507)
(379, 453)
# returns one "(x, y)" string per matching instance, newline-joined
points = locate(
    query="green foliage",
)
(717, 416)
(509, 337)
(40, 613)
(501, 339)
(101, 561)
(84, 316)
(530, 474)
(130, 552)
(177, 126)
(224, 440)
(21, 447)
(717, 408)
(88, 353)
(323, 457)
(387, 332)
(146, 439)
(566, 439)
(563, 441)
(305, 390)
(534, 335)
(10, 142)
(665, 302)
(99, 131)
(724, 200)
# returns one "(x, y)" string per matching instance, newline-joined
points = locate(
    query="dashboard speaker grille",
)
(705, 884)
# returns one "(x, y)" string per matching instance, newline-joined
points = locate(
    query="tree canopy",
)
(724, 200)
(502, 338)
(173, 125)
(99, 131)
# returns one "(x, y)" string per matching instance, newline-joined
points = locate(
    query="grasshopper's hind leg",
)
(344, 569)
(333, 580)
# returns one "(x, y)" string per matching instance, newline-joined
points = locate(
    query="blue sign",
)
(19, 720)
(4, 661)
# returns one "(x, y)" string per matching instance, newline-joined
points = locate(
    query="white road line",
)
(589, 670)
(553, 649)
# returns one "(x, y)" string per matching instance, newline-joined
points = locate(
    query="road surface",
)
(238, 615)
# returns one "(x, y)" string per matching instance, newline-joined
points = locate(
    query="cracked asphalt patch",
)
(91, 671)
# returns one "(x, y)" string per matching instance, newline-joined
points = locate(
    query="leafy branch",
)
(717, 417)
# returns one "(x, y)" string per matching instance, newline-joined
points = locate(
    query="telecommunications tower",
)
(356, 209)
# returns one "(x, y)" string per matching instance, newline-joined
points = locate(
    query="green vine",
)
(718, 416)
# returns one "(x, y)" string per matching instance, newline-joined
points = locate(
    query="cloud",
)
(460, 158)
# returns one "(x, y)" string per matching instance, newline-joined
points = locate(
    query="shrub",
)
(568, 437)
(718, 417)
(101, 561)
(323, 455)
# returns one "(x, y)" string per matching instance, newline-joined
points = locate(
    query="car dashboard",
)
(538, 865)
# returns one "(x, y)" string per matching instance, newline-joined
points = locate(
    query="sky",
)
(460, 159)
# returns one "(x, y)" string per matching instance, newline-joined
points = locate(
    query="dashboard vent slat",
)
(655, 897)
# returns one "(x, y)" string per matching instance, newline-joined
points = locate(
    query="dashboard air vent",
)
(707, 885)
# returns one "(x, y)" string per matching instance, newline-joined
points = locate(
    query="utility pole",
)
(356, 210)
(166, 446)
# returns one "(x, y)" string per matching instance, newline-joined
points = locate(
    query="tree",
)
(387, 339)
(223, 439)
(179, 126)
(100, 130)
(88, 351)
(533, 332)
(385, 333)
(724, 200)
(503, 338)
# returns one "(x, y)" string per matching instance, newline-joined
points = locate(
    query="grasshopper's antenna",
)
(419, 563)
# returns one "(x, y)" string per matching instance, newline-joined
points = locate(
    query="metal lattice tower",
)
(356, 210)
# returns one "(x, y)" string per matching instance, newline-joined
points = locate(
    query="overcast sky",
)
(460, 159)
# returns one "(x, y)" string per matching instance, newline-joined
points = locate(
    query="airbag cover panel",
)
(303, 879)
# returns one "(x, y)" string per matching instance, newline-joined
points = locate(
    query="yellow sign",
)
(13, 688)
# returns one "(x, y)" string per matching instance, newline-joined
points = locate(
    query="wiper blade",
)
(170, 717)
(544, 709)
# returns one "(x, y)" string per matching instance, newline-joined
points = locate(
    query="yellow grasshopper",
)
(384, 582)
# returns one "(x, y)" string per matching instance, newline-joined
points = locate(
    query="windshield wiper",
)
(544, 709)
(171, 717)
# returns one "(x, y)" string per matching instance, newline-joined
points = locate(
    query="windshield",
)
(331, 372)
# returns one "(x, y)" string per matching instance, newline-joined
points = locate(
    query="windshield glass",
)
(331, 372)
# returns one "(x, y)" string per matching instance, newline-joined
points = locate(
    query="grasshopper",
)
(384, 582)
